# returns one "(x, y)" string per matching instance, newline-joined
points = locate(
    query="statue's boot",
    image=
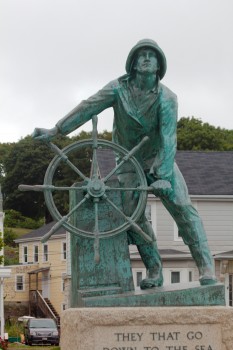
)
(152, 261)
(204, 261)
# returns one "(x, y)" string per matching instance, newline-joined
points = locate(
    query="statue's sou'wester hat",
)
(152, 45)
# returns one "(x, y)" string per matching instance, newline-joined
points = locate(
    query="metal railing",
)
(36, 299)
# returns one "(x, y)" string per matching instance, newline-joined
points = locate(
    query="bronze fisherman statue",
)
(145, 107)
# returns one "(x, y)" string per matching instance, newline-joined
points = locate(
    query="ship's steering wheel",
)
(94, 188)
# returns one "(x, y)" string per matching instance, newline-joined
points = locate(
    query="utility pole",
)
(1, 222)
(4, 272)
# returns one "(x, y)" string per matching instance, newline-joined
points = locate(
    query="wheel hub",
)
(96, 188)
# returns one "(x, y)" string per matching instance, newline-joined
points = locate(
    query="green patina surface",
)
(191, 294)
(112, 273)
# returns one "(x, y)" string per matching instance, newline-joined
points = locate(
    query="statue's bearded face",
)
(146, 61)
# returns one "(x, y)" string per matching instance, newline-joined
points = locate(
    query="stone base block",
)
(147, 328)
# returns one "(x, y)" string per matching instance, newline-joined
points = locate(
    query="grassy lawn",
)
(20, 231)
(11, 252)
(18, 346)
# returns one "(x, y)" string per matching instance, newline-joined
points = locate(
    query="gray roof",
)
(226, 255)
(168, 254)
(40, 232)
(206, 173)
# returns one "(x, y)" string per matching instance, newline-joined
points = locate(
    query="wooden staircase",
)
(51, 307)
(41, 305)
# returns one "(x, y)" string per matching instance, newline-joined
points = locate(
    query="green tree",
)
(26, 162)
(5, 149)
(1, 246)
(193, 134)
(9, 237)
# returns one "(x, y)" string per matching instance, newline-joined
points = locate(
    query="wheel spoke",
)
(134, 226)
(126, 158)
(41, 188)
(139, 188)
(63, 220)
(94, 131)
(64, 157)
(96, 232)
(95, 165)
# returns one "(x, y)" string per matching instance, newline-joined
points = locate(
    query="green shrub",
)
(14, 218)
(9, 237)
(14, 328)
(11, 255)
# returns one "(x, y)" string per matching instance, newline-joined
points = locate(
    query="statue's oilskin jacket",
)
(155, 117)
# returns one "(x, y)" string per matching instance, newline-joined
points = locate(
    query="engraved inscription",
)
(162, 337)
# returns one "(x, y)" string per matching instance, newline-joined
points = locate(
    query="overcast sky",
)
(54, 53)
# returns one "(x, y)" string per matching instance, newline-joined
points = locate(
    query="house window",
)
(63, 307)
(19, 283)
(25, 254)
(148, 213)
(190, 276)
(63, 286)
(230, 290)
(45, 252)
(178, 275)
(68, 261)
(36, 253)
(177, 236)
(175, 277)
(138, 276)
(64, 250)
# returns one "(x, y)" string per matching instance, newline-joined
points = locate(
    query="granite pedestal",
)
(148, 328)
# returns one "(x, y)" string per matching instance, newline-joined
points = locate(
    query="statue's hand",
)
(44, 134)
(161, 187)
